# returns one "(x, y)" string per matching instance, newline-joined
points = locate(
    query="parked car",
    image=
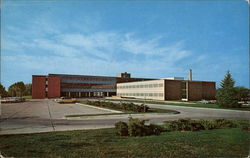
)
(12, 100)
(65, 100)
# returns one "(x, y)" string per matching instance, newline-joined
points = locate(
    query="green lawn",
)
(27, 97)
(194, 104)
(104, 143)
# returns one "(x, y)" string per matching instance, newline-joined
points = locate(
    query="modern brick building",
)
(58, 85)
(168, 89)
(176, 88)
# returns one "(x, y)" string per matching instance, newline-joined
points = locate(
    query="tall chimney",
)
(190, 75)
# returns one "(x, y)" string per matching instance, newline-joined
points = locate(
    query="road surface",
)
(46, 115)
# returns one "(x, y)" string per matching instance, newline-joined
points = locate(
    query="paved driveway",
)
(46, 115)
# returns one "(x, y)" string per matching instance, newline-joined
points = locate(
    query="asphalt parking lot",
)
(46, 115)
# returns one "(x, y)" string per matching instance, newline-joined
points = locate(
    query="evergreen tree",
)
(226, 96)
(228, 81)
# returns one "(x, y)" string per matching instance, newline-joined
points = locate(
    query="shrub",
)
(120, 106)
(188, 125)
(137, 127)
(244, 125)
(223, 123)
(196, 126)
(121, 128)
(207, 124)
(154, 129)
(227, 97)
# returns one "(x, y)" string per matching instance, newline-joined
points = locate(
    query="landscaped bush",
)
(196, 125)
(181, 125)
(244, 125)
(121, 128)
(223, 123)
(120, 106)
(137, 127)
(154, 129)
(207, 124)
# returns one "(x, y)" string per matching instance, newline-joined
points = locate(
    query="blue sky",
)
(152, 39)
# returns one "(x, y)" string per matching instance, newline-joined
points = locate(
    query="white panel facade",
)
(153, 89)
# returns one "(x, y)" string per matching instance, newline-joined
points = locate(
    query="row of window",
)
(141, 94)
(156, 85)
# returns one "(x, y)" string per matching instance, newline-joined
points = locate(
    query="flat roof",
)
(166, 80)
(70, 75)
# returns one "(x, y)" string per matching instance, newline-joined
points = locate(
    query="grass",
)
(104, 143)
(27, 97)
(194, 104)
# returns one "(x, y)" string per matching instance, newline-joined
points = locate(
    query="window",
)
(161, 85)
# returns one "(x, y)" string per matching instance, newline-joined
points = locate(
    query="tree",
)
(227, 95)
(28, 89)
(3, 92)
(242, 93)
(17, 89)
(228, 81)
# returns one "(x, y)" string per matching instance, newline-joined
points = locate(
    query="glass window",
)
(161, 85)
(141, 86)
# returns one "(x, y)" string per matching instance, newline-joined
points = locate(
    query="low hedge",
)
(137, 127)
(120, 106)
(196, 125)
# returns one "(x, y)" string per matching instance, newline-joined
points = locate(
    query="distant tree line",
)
(17, 89)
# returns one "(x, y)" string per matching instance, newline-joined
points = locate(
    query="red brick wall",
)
(194, 91)
(201, 90)
(208, 90)
(54, 87)
(38, 87)
(172, 90)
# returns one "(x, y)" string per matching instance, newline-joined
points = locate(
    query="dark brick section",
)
(208, 90)
(54, 87)
(172, 90)
(199, 90)
(38, 87)
(194, 90)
